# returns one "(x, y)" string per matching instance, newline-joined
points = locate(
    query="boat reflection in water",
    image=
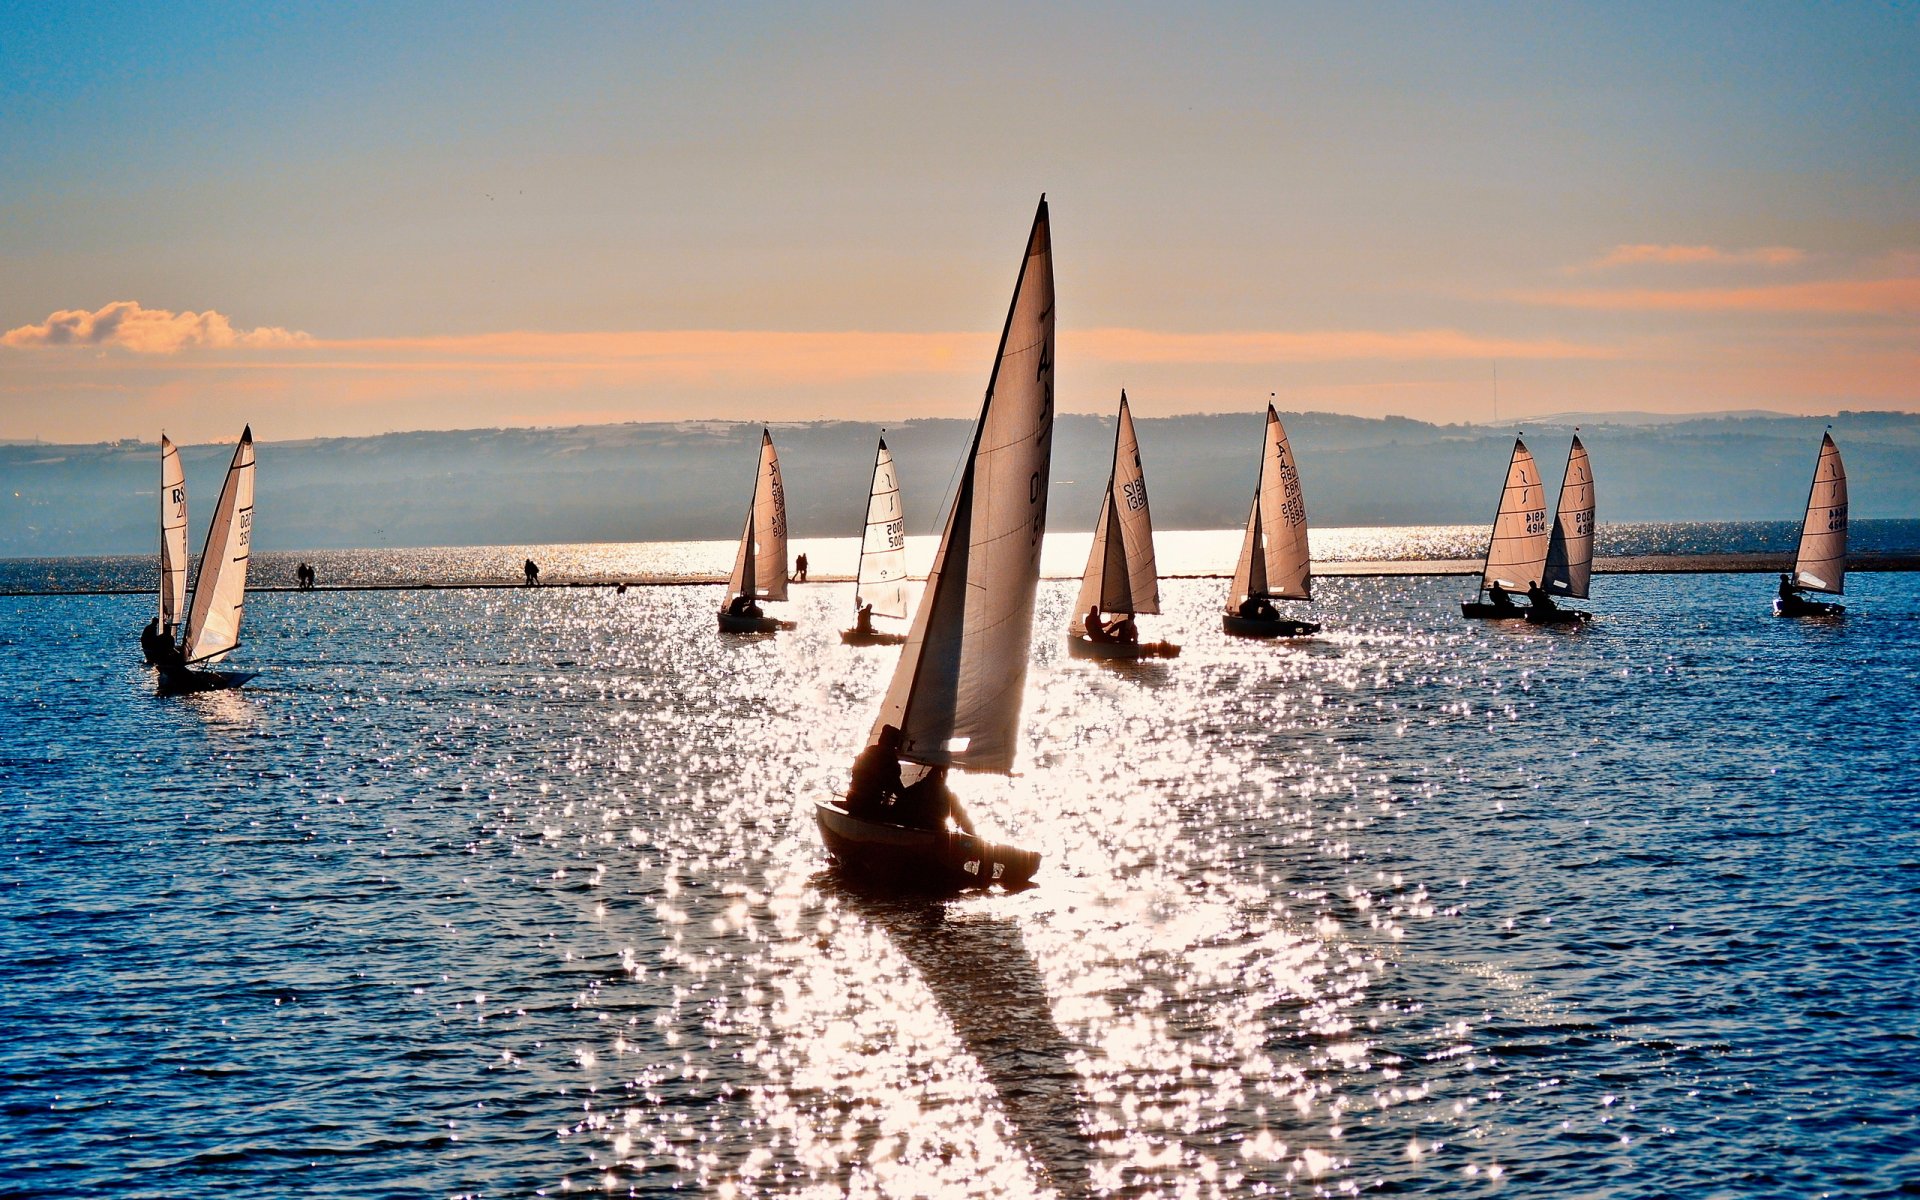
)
(977, 968)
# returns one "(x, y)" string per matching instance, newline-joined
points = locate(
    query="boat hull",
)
(921, 860)
(872, 637)
(1080, 647)
(183, 681)
(1559, 616)
(1253, 627)
(1807, 608)
(732, 624)
(1480, 610)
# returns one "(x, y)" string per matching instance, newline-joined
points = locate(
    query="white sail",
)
(1569, 567)
(173, 536)
(760, 565)
(956, 693)
(1517, 551)
(1821, 564)
(882, 579)
(1120, 575)
(220, 592)
(1274, 560)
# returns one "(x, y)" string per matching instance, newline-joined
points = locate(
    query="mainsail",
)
(173, 536)
(1274, 560)
(956, 693)
(1120, 575)
(760, 565)
(1570, 549)
(1518, 550)
(220, 592)
(882, 579)
(1821, 565)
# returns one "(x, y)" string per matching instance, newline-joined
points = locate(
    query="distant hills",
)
(689, 480)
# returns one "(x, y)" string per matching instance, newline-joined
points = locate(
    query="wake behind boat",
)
(1274, 561)
(760, 565)
(220, 590)
(955, 696)
(880, 585)
(1820, 564)
(1120, 578)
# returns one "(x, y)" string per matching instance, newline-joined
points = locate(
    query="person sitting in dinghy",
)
(1124, 631)
(1259, 608)
(1499, 597)
(929, 802)
(1542, 603)
(863, 619)
(743, 606)
(158, 646)
(876, 778)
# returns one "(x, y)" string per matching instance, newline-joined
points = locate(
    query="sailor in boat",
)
(1258, 608)
(1124, 631)
(157, 644)
(876, 792)
(1790, 598)
(743, 606)
(1542, 603)
(1499, 597)
(863, 619)
(1096, 628)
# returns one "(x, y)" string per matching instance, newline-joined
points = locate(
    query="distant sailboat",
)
(1821, 563)
(1120, 575)
(955, 696)
(760, 565)
(220, 590)
(880, 585)
(157, 639)
(1517, 550)
(1274, 561)
(1569, 566)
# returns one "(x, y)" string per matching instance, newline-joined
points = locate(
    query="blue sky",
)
(342, 219)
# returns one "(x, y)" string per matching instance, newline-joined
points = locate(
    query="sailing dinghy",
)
(1120, 576)
(955, 697)
(1274, 562)
(1569, 567)
(880, 585)
(156, 641)
(1517, 550)
(220, 590)
(1821, 563)
(760, 565)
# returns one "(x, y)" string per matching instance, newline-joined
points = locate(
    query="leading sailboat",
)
(220, 590)
(880, 585)
(1820, 565)
(760, 565)
(1274, 562)
(1120, 576)
(955, 697)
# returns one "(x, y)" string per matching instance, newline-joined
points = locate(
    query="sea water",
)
(512, 893)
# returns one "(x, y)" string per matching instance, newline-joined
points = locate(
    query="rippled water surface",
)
(516, 892)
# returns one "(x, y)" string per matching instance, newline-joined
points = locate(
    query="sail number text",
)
(1136, 494)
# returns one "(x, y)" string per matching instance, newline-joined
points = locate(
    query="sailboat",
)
(880, 585)
(1120, 575)
(1821, 563)
(1274, 562)
(1517, 550)
(1569, 566)
(760, 565)
(220, 590)
(954, 701)
(157, 639)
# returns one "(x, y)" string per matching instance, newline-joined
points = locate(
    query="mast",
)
(955, 694)
(173, 536)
